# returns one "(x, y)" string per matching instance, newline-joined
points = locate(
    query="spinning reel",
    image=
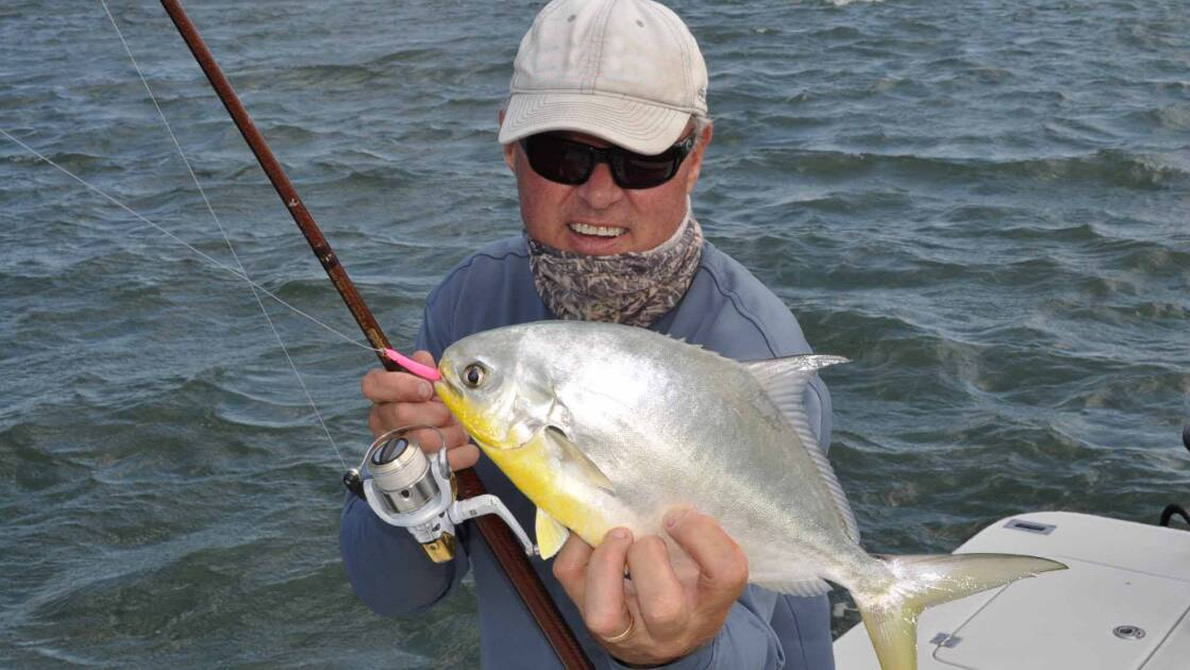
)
(407, 489)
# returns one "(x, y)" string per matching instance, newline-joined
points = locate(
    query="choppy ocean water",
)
(983, 203)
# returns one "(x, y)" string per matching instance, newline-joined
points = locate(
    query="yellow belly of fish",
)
(533, 469)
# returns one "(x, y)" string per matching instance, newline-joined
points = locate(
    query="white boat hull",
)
(1124, 604)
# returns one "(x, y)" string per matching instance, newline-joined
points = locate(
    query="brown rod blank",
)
(504, 546)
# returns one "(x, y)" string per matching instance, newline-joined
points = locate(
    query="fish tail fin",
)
(890, 611)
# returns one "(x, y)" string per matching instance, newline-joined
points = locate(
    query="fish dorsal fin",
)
(551, 535)
(572, 457)
(785, 380)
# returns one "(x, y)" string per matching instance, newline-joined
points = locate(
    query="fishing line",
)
(223, 231)
(257, 289)
(241, 272)
(198, 252)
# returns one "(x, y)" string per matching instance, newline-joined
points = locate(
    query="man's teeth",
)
(601, 231)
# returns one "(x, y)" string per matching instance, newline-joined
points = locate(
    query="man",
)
(605, 131)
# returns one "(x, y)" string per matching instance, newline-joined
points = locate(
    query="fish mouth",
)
(450, 396)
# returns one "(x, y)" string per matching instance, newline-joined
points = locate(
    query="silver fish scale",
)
(669, 424)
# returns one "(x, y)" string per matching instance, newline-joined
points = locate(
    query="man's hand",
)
(661, 613)
(401, 399)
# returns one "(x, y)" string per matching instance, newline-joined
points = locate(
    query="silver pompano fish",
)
(603, 425)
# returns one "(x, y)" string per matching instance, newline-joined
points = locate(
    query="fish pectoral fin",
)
(522, 432)
(573, 457)
(551, 535)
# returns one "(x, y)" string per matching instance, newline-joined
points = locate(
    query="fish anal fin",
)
(805, 588)
(551, 535)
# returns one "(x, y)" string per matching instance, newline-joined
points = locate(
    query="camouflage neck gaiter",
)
(635, 288)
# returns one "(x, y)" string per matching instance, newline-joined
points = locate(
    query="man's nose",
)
(600, 190)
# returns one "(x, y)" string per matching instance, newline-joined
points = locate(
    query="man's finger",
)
(659, 593)
(397, 414)
(450, 436)
(570, 567)
(384, 386)
(603, 606)
(463, 457)
(722, 564)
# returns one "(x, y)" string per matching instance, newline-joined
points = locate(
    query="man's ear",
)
(695, 158)
(509, 149)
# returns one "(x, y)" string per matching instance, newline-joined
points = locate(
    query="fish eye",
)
(473, 375)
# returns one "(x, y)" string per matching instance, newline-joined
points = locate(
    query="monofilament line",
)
(198, 252)
(223, 231)
(240, 273)
(257, 289)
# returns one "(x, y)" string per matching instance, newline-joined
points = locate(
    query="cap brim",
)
(634, 125)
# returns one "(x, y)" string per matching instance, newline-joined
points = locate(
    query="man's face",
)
(598, 217)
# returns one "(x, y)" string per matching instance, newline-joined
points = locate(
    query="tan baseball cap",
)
(626, 71)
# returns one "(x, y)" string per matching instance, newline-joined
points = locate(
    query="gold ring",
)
(627, 631)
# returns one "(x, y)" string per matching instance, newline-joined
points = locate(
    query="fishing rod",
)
(390, 449)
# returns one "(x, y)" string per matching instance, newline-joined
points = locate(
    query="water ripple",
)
(982, 204)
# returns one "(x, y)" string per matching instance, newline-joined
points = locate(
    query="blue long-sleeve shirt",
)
(726, 310)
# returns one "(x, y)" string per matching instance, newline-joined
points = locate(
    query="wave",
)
(1106, 167)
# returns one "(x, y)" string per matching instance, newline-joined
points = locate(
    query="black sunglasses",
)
(566, 161)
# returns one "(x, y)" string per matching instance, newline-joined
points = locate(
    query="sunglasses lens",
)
(558, 159)
(638, 171)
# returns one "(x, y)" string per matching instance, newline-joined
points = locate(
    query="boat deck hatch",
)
(1018, 628)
